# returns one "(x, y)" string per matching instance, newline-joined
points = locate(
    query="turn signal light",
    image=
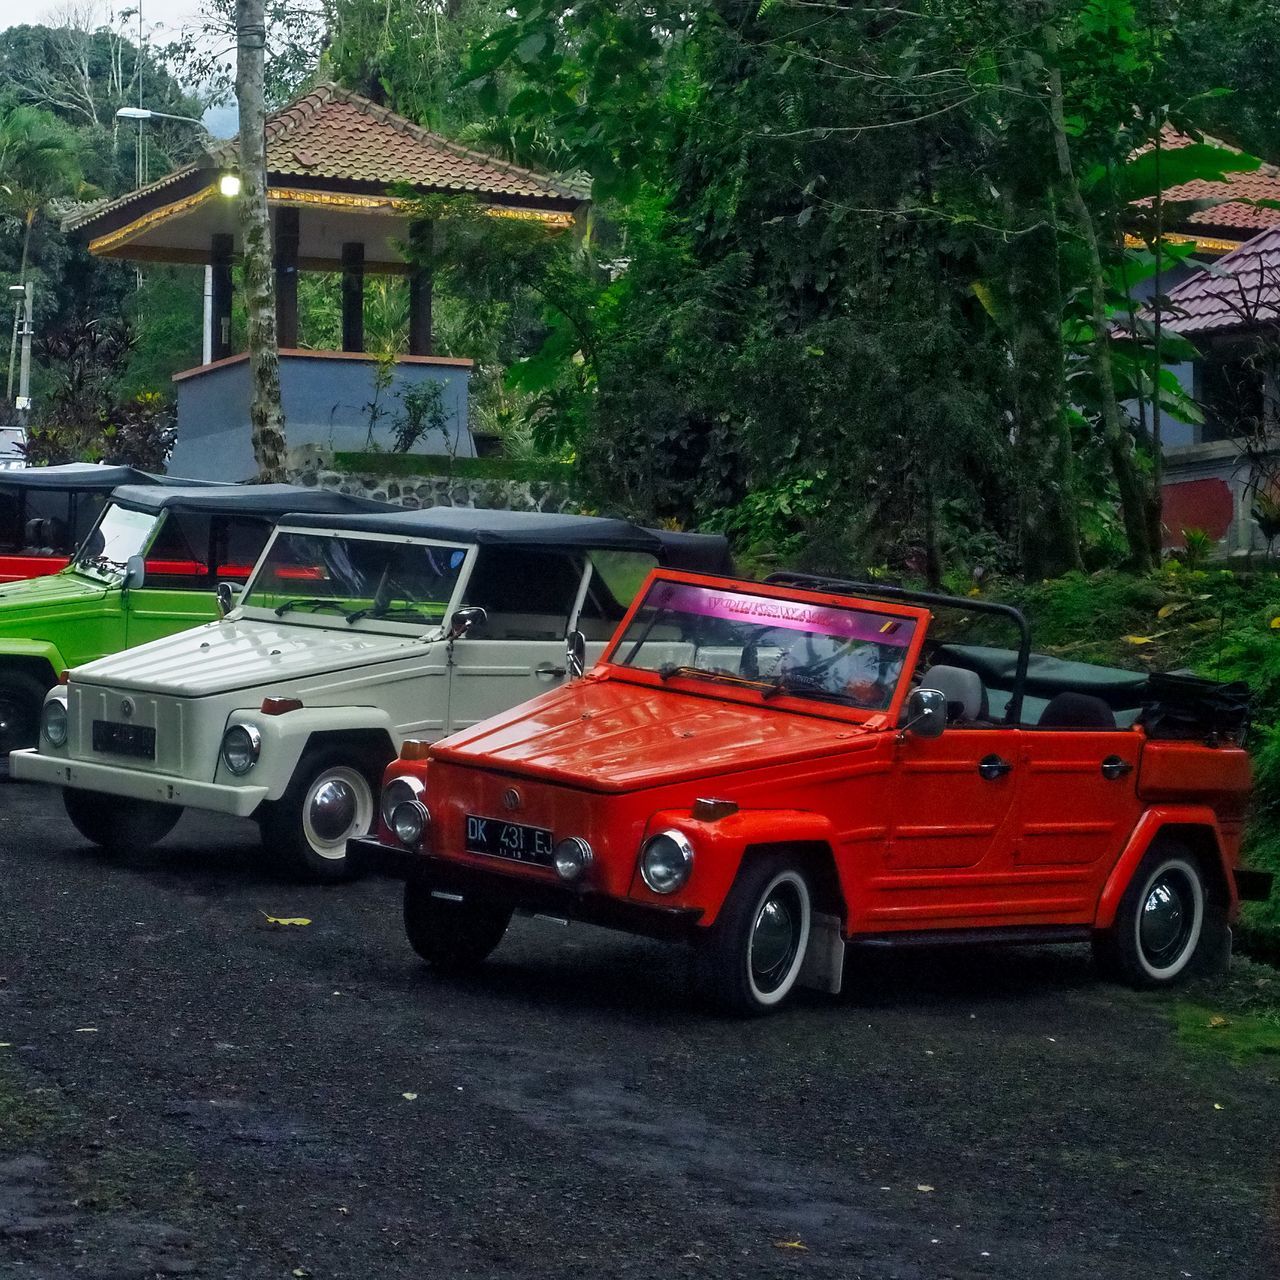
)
(415, 749)
(280, 706)
(64, 678)
(709, 810)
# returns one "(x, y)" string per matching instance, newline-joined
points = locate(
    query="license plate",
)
(125, 739)
(511, 840)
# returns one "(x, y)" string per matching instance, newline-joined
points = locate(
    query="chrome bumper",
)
(31, 766)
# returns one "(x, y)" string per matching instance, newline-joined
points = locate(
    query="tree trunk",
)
(1133, 502)
(265, 413)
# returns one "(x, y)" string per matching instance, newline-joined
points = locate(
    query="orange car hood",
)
(612, 735)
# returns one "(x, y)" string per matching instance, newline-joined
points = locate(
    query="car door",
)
(187, 558)
(520, 650)
(1077, 803)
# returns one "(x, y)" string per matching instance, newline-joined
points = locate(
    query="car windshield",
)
(348, 579)
(826, 652)
(120, 533)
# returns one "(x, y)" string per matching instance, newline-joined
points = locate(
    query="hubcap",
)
(333, 809)
(1168, 916)
(776, 937)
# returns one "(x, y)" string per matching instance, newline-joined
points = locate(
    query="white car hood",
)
(240, 654)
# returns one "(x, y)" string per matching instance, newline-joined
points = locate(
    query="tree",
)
(265, 414)
(39, 160)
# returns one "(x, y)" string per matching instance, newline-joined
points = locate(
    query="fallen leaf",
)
(342, 1208)
(1217, 1106)
(791, 1244)
(1172, 607)
(923, 1186)
(286, 919)
(86, 1028)
(1275, 624)
(409, 1097)
(1138, 639)
(301, 1272)
(1218, 1021)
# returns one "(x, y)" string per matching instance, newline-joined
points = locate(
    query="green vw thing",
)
(148, 567)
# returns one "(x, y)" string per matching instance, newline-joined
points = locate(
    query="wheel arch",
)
(376, 741)
(818, 858)
(1194, 829)
(42, 666)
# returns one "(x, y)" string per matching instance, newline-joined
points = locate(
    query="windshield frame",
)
(765, 693)
(112, 577)
(328, 620)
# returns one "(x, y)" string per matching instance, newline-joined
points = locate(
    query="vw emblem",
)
(126, 707)
(511, 798)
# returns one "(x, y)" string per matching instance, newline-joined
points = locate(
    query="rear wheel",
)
(451, 936)
(331, 798)
(1163, 924)
(751, 957)
(117, 823)
(21, 700)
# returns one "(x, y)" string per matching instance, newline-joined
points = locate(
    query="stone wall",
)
(442, 491)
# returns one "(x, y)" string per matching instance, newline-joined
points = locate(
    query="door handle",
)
(993, 767)
(549, 669)
(1114, 767)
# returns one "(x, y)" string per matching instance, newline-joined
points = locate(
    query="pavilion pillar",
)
(420, 288)
(221, 250)
(353, 296)
(286, 251)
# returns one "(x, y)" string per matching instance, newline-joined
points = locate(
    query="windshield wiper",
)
(384, 611)
(310, 604)
(807, 687)
(668, 670)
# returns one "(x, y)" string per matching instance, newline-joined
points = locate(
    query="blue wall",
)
(326, 404)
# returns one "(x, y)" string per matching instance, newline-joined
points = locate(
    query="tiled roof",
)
(1243, 219)
(1241, 291)
(331, 134)
(336, 134)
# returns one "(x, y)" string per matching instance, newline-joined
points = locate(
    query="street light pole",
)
(24, 296)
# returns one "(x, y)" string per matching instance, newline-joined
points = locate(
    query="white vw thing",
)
(353, 634)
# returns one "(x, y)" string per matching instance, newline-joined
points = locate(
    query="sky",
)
(162, 20)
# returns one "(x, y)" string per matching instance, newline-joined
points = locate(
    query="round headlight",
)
(665, 861)
(399, 791)
(55, 722)
(409, 820)
(241, 746)
(572, 857)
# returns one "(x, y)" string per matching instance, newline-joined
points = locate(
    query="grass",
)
(1240, 1016)
(518, 470)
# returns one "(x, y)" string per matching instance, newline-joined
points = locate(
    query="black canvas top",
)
(82, 476)
(531, 529)
(270, 500)
(1047, 676)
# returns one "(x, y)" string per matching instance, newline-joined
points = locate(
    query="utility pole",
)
(24, 295)
(265, 413)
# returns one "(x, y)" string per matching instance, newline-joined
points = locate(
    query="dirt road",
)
(186, 1088)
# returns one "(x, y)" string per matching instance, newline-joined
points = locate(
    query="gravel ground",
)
(186, 1088)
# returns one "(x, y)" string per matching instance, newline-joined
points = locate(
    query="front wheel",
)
(751, 957)
(1161, 926)
(330, 799)
(21, 701)
(119, 824)
(451, 936)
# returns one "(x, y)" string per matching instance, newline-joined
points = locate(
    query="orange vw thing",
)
(774, 770)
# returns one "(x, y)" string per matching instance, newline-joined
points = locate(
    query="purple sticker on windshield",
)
(766, 611)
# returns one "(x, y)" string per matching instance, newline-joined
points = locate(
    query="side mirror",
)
(228, 596)
(926, 714)
(464, 619)
(135, 573)
(575, 658)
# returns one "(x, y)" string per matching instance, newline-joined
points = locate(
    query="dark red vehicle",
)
(45, 513)
(772, 771)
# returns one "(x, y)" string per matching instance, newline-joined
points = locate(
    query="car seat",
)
(1077, 711)
(964, 691)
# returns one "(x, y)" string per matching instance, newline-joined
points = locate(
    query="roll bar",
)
(882, 591)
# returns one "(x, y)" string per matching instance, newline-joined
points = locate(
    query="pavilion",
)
(334, 160)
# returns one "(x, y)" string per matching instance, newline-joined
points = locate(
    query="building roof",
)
(1241, 292)
(1223, 226)
(330, 149)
